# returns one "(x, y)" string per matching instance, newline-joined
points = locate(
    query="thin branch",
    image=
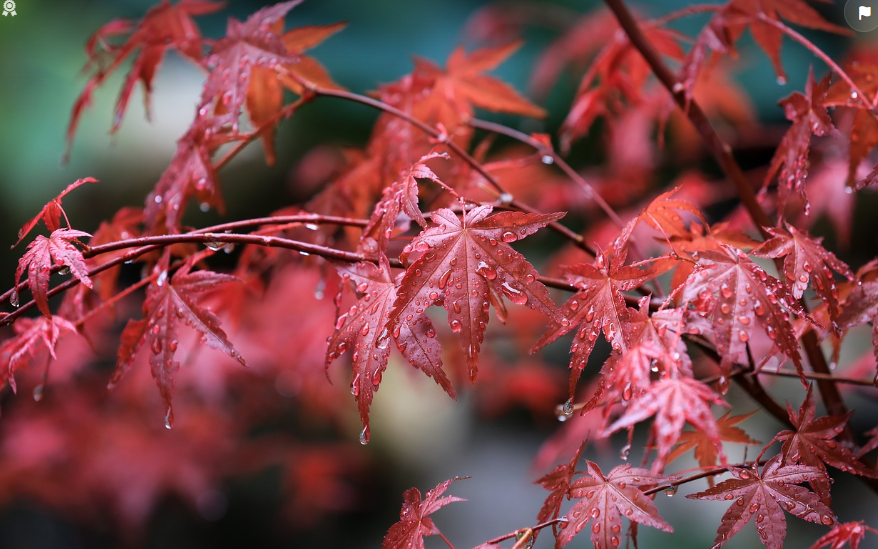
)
(697, 476)
(532, 529)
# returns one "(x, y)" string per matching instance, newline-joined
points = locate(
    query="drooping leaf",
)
(164, 27)
(848, 533)
(190, 175)
(764, 497)
(253, 43)
(467, 264)
(51, 212)
(265, 91)
(811, 443)
(603, 500)
(598, 305)
(32, 336)
(366, 329)
(414, 519)
(673, 402)
(169, 302)
(736, 295)
(805, 259)
(705, 450)
(863, 133)
(809, 117)
(44, 253)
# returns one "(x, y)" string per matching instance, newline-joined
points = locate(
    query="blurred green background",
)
(41, 54)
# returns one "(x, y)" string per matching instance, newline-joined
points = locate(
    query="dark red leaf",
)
(849, 532)
(44, 253)
(52, 212)
(414, 522)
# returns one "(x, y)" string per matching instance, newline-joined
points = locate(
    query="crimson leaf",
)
(42, 254)
(414, 523)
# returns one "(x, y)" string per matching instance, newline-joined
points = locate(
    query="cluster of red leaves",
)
(670, 280)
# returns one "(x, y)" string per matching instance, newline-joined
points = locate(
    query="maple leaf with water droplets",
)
(253, 43)
(51, 212)
(673, 402)
(860, 307)
(42, 254)
(761, 497)
(705, 449)
(401, 196)
(366, 329)
(805, 259)
(809, 116)
(736, 294)
(414, 522)
(164, 26)
(811, 443)
(466, 264)
(849, 532)
(31, 336)
(863, 127)
(603, 500)
(169, 302)
(599, 304)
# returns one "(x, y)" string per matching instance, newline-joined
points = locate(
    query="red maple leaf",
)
(44, 253)
(598, 305)
(169, 302)
(849, 532)
(737, 295)
(605, 499)
(462, 86)
(467, 264)
(860, 307)
(365, 328)
(32, 335)
(190, 174)
(163, 27)
(705, 449)
(805, 259)
(863, 126)
(763, 497)
(414, 522)
(558, 482)
(809, 116)
(811, 443)
(52, 212)
(253, 43)
(265, 91)
(401, 196)
(673, 402)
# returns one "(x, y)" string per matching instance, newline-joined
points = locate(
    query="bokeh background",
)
(420, 437)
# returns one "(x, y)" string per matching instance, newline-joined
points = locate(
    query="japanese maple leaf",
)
(863, 128)
(253, 43)
(265, 91)
(365, 328)
(665, 215)
(860, 307)
(737, 295)
(44, 253)
(163, 27)
(558, 483)
(52, 212)
(673, 402)
(462, 86)
(727, 26)
(809, 116)
(811, 443)
(169, 302)
(414, 521)
(763, 497)
(849, 532)
(32, 335)
(190, 174)
(705, 450)
(598, 305)
(466, 264)
(401, 196)
(805, 259)
(605, 499)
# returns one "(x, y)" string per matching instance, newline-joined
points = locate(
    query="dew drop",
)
(364, 436)
(516, 296)
(38, 392)
(13, 299)
(625, 452)
(169, 418)
(455, 326)
(671, 490)
(547, 159)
